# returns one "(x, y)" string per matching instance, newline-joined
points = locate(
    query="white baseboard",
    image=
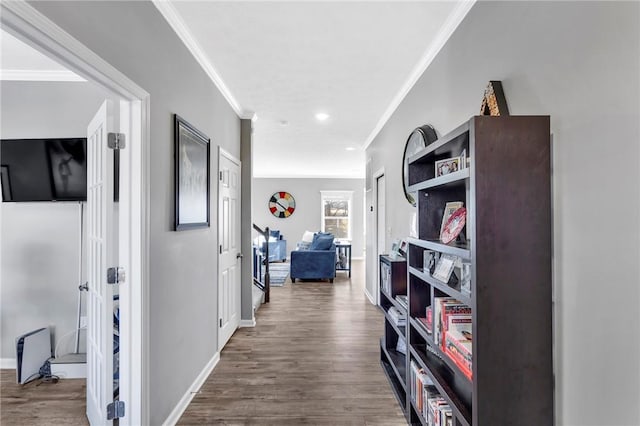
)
(69, 371)
(192, 391)
(370, 297)
(247, 323)
(8, 363)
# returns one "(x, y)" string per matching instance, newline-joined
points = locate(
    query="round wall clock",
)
(418, 139)
(282, 204)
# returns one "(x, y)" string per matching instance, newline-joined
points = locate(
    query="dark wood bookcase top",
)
(506, 189)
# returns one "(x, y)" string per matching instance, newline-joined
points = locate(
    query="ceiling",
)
(287, 61)
(282, 62)
(19, 61)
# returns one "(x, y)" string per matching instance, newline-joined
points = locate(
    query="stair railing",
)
(257, 266)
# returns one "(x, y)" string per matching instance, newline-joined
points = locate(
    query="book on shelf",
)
(422, 322)
(459, 349)
(397, 317)
(402, 300)
(438, 412)
(444, 306)
(419, 381)
(456, 321)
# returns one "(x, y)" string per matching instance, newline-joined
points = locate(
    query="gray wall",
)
(135, 38)
(246, 295)
(579, 62)
(307, 216)
(39, 241)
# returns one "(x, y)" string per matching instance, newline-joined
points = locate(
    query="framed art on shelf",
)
(192, 174)
(448, 165)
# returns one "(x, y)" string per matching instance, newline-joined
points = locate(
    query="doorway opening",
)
(131, 242)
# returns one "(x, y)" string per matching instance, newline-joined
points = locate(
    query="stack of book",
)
(397, 317)
(402, 301)
(453, 332)
(428, 401)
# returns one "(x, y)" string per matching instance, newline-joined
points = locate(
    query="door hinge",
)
(115, 275)
(220, 248)
(220, 322)
(220, 175)
(116, 140)
(115, 410)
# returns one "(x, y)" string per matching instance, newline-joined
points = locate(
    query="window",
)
(336, 213)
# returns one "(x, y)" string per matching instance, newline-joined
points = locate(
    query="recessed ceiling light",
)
(322, 116)
(350, 148)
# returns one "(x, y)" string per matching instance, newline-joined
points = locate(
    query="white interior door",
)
(229, 247)
(381, 224)
(101, 244)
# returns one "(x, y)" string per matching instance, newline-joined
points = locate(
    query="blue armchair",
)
(318, 262)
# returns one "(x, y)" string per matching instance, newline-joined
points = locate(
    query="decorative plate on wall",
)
(282, 204)
(418, 139)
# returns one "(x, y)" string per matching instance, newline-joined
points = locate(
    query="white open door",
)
(101, 247)
(229, 247)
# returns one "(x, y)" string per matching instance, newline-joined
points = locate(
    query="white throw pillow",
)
(307, 237)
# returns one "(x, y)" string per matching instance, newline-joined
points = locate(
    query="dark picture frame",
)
(192, 170)
(5, 181)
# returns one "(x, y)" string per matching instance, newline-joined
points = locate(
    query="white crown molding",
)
(434, 48)
(40, 75)
(172, 16)
(30, 26)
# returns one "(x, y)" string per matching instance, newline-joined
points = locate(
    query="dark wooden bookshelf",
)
(394, 363)
(506, 189)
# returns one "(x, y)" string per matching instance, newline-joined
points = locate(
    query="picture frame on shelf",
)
(192, 176)
(429, 260)
(449, 208)
(402, 248)
(448, 165)
(444, 268)
(394, 249)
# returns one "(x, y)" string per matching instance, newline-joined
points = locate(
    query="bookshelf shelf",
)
(397, 361)
(452, 179)
(501, 327)
(400, 329)
(461, 250)
(393, 301)
(461, 412)
(445, 288)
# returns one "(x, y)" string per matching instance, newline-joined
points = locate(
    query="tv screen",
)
(44, 169)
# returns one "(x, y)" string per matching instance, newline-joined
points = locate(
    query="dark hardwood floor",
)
(313, 358)
(41, 404)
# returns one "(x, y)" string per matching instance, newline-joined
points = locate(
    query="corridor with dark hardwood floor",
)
(313, 358)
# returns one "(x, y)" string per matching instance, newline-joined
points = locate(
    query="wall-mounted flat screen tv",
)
(43, 169)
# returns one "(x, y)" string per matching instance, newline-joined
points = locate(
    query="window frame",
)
(337, 196)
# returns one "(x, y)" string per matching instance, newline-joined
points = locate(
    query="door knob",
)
(239, 256)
